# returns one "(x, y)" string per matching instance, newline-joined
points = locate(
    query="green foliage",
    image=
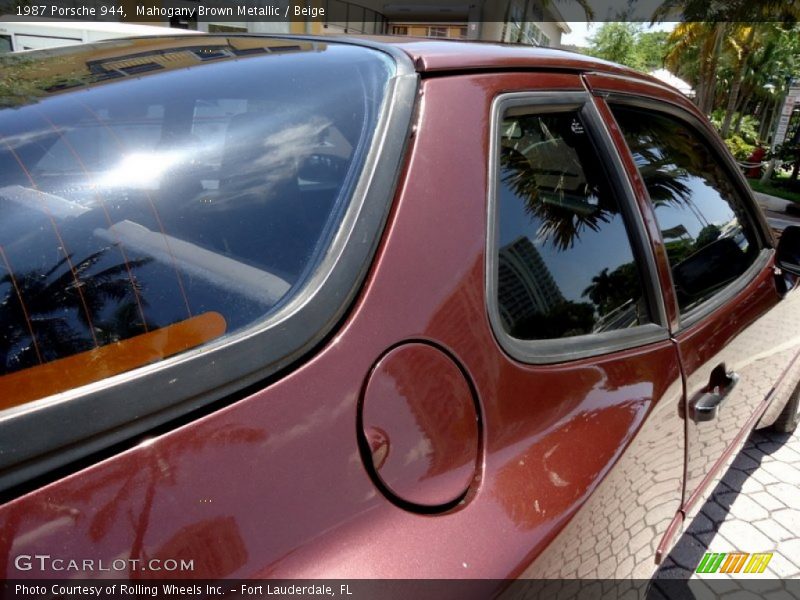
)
(562, 320)
(730, 11)
(609, 291)
(651, 48)
(787, 153)
(678, 250)
(740, 149)
(708, 234)
(736, 67)
(749, 128)
(775, 188)
(743, 143)
(616, 42)
(628, 44)
(24, 79)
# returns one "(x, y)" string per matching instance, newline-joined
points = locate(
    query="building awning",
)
(676, 82)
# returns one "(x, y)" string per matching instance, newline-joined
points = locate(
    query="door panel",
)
(734, 348)
(742, 337)
(567, 266)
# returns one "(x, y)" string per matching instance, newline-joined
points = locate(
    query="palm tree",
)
(694, 53)
(713, 34)
(773, 61)
(40, 311)
(756, 48)
(608, 291)
(600, 290)
(559, 222)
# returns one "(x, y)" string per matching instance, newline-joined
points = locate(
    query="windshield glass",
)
(158, 194)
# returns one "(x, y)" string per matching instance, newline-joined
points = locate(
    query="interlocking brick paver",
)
(779, 595)
(745, 462)
(715, 512)
(788, 455)
(755, 508)
(783, 472)
(747, 509)
(786, 493)
(774, 530)
(764, 477)
(751, 486)
(772, 586)
(789, 518)
(767, 500)
(791, 549)
(742, 595)
(780, 566)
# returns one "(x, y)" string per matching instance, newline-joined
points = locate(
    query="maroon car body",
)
(414, 439)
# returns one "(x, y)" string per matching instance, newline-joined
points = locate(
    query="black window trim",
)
(53, 432)
(729, 292)
(594, 344)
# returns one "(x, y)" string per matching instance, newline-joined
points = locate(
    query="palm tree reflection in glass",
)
(43, 317)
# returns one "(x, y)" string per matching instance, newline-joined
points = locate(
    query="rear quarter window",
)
(569, 270)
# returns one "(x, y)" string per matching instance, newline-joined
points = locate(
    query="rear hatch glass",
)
(156, 197)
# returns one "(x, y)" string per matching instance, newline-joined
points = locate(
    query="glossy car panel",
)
(732, 349)
(740, 338)
(420, 427)
(434, 58)
(580, 463)
(257, 453)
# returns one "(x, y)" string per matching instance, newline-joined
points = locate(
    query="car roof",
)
(431, 56)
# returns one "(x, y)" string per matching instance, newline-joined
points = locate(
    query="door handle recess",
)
(705, 405)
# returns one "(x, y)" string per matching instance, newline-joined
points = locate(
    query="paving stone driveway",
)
(755, 508)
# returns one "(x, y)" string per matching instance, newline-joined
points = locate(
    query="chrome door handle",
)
(705, 405)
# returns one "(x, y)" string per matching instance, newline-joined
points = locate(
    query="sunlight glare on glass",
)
(140, 170)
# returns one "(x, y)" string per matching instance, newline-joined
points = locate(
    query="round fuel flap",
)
(420, 424)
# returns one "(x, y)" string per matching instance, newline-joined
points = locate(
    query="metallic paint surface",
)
(419, 401)
(756, 334)
(278, 475)
(758, 337)
(282, 468)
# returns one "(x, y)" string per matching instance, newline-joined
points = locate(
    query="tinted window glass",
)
(565, 263)
(152, 200)
(707, 232)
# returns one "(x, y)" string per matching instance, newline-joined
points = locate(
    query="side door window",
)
(708, 234)
(567, 272)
